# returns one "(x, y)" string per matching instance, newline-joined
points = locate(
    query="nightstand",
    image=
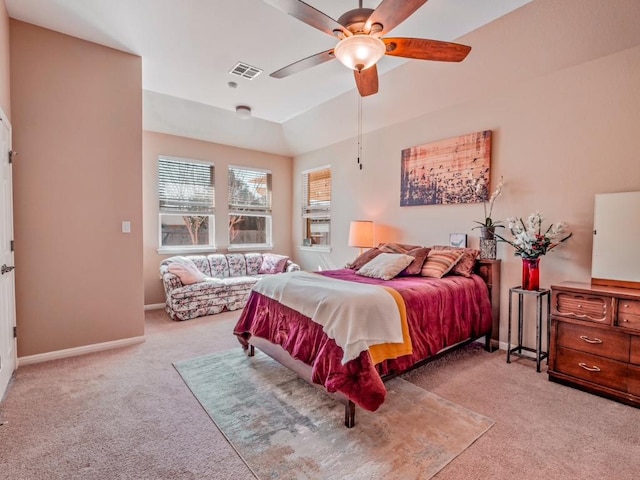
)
(543, 303)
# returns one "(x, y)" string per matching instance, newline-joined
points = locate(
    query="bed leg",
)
(487, 342)
(349, 414)
(249, 350)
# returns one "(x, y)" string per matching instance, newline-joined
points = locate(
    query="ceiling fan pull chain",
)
(360, 131)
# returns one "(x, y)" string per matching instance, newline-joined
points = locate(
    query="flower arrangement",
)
(489, 224)
(528, 239)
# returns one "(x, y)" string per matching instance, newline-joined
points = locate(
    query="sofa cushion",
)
(272, 263)
(219, 265)
(237, 264)
(210, 286)
(254, 262)
(202, 263)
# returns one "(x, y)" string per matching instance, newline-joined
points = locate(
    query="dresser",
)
(595, 339)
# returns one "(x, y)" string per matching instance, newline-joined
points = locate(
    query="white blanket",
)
(355, 315)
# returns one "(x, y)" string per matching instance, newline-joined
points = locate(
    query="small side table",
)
(543, 299)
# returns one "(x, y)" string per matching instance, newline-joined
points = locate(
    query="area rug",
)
(284, 428)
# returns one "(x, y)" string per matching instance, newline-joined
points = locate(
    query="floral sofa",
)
(198, 285)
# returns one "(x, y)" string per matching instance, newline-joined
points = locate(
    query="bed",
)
(438, 315)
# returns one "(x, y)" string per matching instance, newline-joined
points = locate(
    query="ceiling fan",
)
(361, 44)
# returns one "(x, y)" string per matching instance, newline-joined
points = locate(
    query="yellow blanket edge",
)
(388, 351)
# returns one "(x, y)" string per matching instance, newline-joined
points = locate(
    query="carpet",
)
(284, 428)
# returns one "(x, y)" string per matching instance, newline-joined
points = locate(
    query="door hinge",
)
(12, 245)
(12, 153)
(15, 332)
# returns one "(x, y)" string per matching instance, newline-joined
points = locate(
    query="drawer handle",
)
(625, 320)
(589, 369)
(626, 305)
(588, 340)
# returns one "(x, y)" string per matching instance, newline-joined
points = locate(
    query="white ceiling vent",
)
(245, 71)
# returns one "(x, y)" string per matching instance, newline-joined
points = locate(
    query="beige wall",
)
(155, 144)
(558, 139)
(5, 99)
(77, 125)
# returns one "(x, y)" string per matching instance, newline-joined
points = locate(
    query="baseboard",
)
(154, 306)
(72, 352)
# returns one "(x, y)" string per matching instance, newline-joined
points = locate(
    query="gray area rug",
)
(284, 428)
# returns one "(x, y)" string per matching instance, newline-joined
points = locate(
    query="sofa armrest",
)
(171, 281)
(292, 267)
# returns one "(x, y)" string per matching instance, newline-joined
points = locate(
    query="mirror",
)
(616, 240)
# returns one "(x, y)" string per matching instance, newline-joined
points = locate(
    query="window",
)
(249, 207)
(316, 206)
(186, 193)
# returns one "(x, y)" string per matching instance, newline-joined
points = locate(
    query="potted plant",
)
(488, 226)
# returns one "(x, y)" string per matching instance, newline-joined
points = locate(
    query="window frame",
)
(265, 212)
(318, 212)
(210, 214)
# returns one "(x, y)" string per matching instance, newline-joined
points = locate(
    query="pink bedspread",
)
(440, 313)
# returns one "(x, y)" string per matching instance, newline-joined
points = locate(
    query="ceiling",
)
(188, 48)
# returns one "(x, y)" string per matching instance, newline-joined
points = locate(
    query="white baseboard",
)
(72, 352)
(154, 306)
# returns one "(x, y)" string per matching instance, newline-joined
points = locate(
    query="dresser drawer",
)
(635, 350)
(592, 368)
(606, 343)
(594, 308)
(628, 306)
(628, 320)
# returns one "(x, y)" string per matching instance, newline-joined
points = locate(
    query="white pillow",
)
(385, 266)
(186, 270)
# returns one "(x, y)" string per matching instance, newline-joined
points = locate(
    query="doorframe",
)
(11, 362)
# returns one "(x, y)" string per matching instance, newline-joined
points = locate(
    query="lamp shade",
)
(359, 52)
(361, 234)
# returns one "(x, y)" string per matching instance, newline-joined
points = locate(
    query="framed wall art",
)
(458, 240)
(455, 170)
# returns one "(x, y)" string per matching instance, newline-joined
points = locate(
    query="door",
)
(8, 358)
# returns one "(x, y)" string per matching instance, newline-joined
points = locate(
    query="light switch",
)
(126, 227)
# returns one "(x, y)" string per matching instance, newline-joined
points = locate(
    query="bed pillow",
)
(186, 270)
(272, 263)
(439, 263)
(386, 266)
(396, 247)
(419, 256)
(364, 258)
(467, 262)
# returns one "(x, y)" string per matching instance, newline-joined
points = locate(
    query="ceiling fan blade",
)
(391, 13)
(367, 81)
(303, 64)
(424, 49)
(309, 15)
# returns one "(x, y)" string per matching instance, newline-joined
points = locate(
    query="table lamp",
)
(361, 234)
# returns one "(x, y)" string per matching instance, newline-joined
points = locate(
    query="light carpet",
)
(284, 428)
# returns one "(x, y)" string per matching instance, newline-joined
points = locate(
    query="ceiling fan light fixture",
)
(359, 52)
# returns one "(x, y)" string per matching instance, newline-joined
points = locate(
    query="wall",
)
(77, 126)
(155, 144)
(5, 90)
(559, 138)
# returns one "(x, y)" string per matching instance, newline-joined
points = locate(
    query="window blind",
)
(249, 191)
(186, 187)
(316, 192)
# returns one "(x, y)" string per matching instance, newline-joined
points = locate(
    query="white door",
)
(8, 357)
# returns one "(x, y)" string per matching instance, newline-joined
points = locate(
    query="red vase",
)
(531, 273)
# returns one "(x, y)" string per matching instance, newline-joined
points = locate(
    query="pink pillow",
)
(186, 270)
(272, 263)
